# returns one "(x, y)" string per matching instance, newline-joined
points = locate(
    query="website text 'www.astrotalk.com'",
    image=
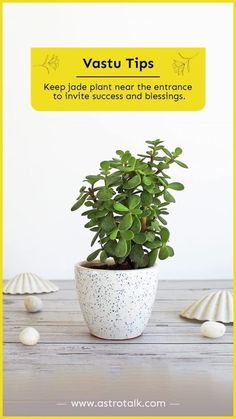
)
(134, 403)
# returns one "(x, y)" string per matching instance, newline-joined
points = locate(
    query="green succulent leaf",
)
(137, 211)
(79, 203)
(95, 213)
(110, 248)
(94, 228)
(178, 151)
(126, 222)
(104, 194)
(177, 186)
(170, 251)
(136, 226)
(165, 234)
(120, 207)
(113, 178)
(139, 238)
(163, 253)
(108, 223)
(82, 189)
(103, 256)
(133, 201)
(113, 234)
(126, 156)
(150, 236)
(121, 248)
(168, 197)
(167, 152)
(147, 180)
(162, 220)
(163, 181)
(156, 244)
(120, 152)
(137, 253)
(128, 242)
(93, 255)
(90, 224)
(105, 165)
(95, 237)
(89, 203)
(133, 182)
(146, 198)
(93, 179)
(152, 257)
(127, 234)
(143, 263)
(181, 164)
(155, 225)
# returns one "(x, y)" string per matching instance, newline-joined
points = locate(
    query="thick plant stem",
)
(143, 224)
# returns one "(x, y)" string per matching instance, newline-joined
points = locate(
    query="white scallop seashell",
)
(28, 283)
(216, 306)
(29, 336)
(33, 304)
(212, 329)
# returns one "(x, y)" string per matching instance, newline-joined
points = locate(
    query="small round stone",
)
(212, 329)
(33, 304)
(29, 336)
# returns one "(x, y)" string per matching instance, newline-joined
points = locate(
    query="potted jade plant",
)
(126, 205)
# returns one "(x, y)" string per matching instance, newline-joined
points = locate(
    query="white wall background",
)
(47, 154)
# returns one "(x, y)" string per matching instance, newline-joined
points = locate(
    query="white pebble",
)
(29, 336)
(213, 329)
(33, 304)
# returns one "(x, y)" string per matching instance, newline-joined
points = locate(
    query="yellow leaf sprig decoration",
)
(182, 66)
(50, 63)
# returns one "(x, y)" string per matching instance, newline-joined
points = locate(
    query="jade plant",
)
(126, 206)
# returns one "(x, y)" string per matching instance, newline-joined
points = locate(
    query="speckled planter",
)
(116, 304)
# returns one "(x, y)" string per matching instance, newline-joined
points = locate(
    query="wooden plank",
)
(198, 284)
(114, 365)
(74, 354)
(152, 334)
(174, 284)
(69, 317)
(64, 296)
(17, 305)
(69, 305)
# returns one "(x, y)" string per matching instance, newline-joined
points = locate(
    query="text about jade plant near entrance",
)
(118, 91)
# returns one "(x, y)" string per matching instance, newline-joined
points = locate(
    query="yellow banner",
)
(118, 79)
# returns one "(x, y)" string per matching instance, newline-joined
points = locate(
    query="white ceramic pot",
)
(116, 304)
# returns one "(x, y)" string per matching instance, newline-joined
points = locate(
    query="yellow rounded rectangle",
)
(118, 79)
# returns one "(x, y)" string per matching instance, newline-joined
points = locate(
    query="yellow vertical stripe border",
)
(233, 2)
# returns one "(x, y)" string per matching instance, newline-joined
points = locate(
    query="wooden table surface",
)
(170, 363)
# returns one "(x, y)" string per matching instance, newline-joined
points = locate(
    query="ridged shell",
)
(216, 306)
(28, 283)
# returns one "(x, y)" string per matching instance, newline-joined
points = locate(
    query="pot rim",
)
(80, 266)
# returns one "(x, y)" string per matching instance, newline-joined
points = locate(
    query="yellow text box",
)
(118, 79)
